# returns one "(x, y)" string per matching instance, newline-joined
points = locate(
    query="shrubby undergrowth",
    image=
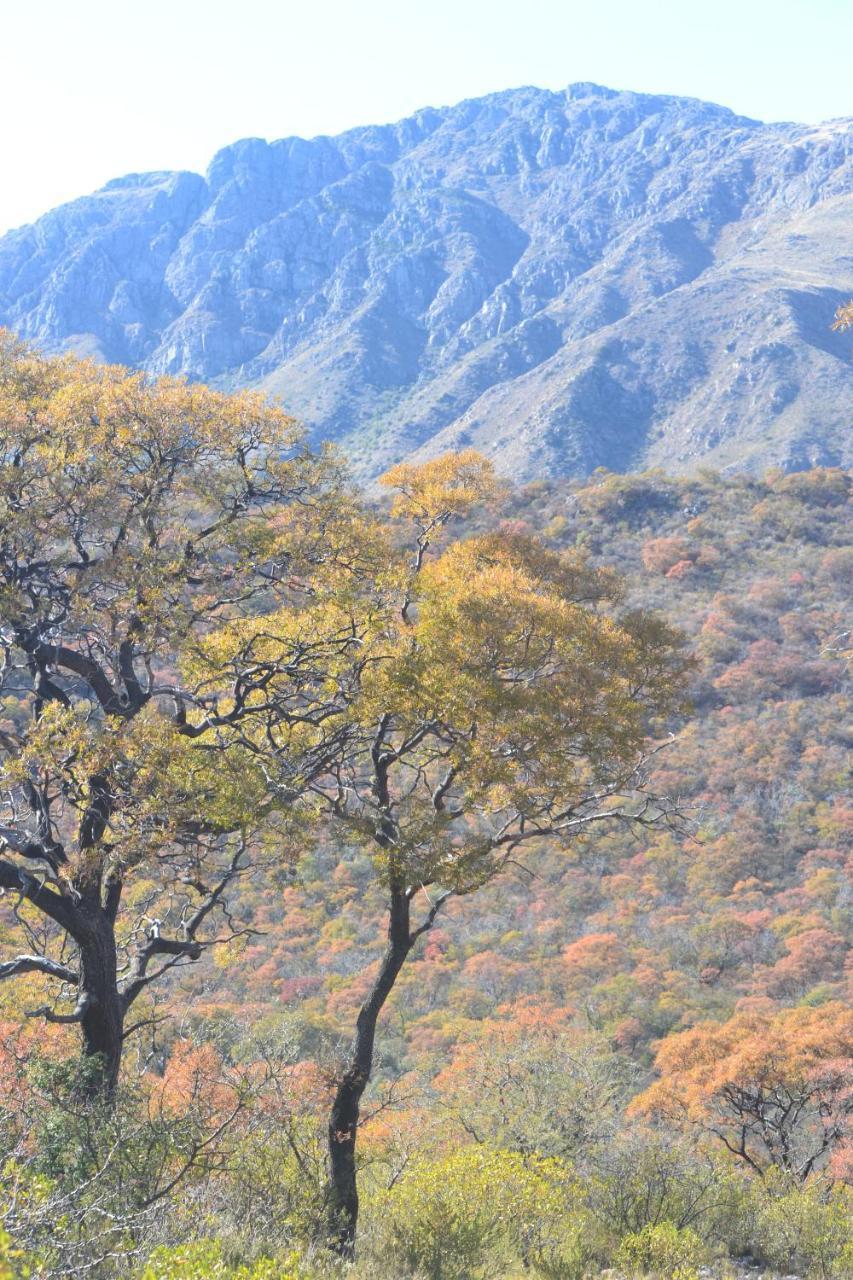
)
(216, 1169)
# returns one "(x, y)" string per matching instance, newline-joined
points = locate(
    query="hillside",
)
(564, 280)
(563, 1012)
(747, 909)
(424, 772)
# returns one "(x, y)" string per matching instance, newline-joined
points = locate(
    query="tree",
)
(536, 1084)
(774, 1088)
(508, 708)
(134, 517)
(844, 317)
(499, 700)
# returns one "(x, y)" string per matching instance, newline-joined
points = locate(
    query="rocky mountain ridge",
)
(565, 280)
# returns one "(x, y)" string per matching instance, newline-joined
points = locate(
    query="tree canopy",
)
(134, 517)
(498, 697)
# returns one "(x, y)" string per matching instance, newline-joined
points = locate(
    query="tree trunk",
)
(343, 1121)
(100, 1005)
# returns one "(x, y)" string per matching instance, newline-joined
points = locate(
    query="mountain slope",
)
(566, 280)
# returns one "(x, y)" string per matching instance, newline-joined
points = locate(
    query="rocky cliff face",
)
(565, 280)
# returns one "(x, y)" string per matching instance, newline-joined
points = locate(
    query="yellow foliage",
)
(449, 485)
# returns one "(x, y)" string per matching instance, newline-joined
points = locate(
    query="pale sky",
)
(93, 89)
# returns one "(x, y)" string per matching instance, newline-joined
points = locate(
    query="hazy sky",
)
(97, 88)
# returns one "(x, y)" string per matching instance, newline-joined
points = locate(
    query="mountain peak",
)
(565, 279)
(588, 89)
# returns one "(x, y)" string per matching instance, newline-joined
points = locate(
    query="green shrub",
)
(204, 1260)
(479, 1209)
(662, 1250)
(13, 1265)
(805, 1229)
(649, 1176)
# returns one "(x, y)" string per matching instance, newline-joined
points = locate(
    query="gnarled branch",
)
(37, 964)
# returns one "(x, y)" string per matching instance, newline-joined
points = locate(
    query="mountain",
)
(564, 280)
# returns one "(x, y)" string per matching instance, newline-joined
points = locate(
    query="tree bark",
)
(100, 1005)
(344, 1117)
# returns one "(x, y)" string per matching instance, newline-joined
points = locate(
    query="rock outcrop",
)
(565, 280)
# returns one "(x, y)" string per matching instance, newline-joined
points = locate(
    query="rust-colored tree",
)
(774, 1088)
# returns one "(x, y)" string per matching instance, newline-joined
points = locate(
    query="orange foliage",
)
(593, 957)
(774, 1088)
(661, 555)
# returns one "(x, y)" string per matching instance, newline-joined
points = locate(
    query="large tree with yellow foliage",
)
(134, 517)
(498, 697)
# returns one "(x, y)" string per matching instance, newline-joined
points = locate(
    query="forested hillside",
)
(746, 907)
(503, 829)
